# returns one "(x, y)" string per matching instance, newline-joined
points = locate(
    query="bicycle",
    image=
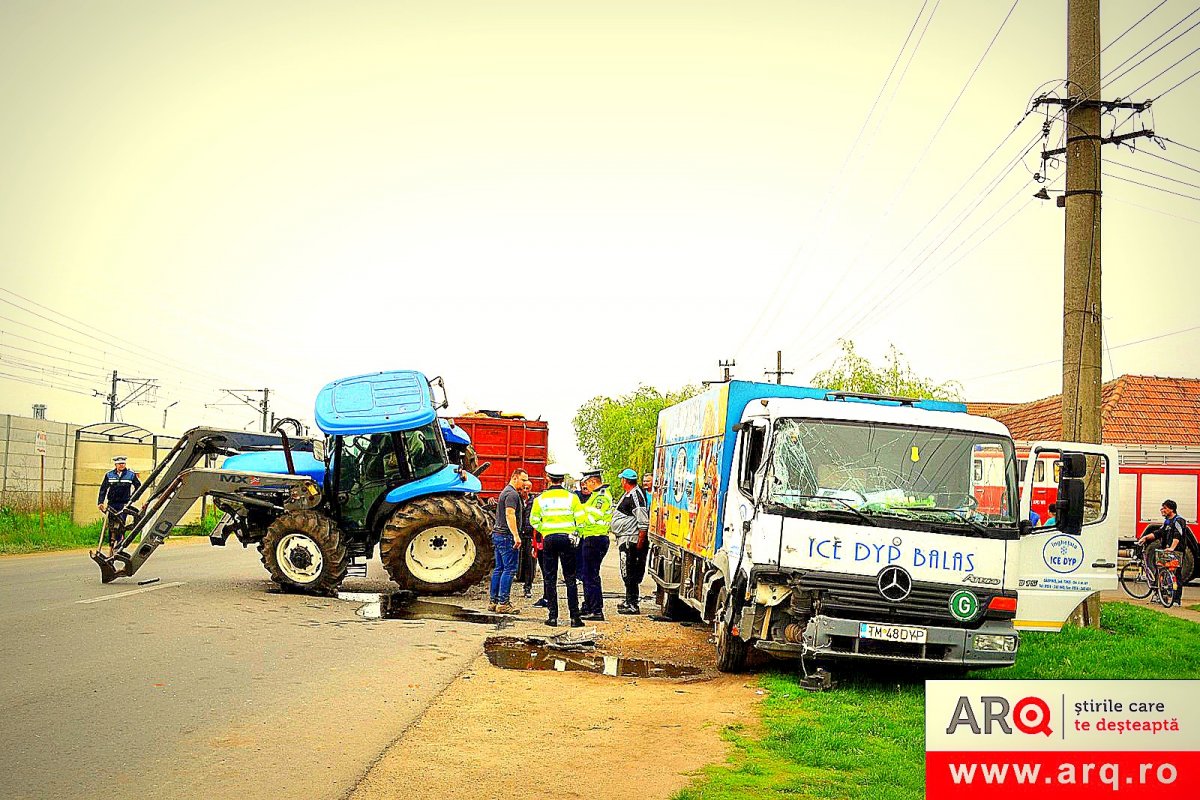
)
(1135, 577)
(1167, 582)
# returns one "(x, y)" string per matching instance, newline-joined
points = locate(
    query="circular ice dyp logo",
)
(964, 605)
(1063, 553)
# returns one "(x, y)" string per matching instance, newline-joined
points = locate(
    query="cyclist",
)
(1173, 535)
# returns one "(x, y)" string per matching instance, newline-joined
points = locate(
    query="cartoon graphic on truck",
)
(851, 526)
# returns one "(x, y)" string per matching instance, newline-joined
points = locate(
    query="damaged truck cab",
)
(814, 524)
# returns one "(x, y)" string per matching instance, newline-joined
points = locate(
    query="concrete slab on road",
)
(210, 685)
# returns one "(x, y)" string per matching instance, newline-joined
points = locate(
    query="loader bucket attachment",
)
(111, 568)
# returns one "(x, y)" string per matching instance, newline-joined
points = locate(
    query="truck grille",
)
(858, 597)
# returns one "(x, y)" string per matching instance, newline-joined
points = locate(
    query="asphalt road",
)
(216, 687)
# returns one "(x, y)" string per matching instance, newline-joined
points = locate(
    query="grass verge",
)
(20, 531)
(866, 739)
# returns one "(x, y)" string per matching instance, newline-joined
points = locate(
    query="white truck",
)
(824, 525)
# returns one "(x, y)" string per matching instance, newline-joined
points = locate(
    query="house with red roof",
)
(1154, 423)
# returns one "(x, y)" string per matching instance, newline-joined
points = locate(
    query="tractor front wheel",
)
(304, 550)
(437, 545)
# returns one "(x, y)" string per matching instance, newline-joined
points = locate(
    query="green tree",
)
(618, 432)
(852, 372)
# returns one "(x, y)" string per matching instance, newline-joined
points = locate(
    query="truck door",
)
(1057, 570)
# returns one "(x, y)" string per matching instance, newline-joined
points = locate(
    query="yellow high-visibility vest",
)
(599, 508)
(557, 511)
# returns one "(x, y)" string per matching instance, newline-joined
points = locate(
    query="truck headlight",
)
(994, 643)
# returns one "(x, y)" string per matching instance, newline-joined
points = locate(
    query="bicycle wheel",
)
(1166, 587)
(1134, 581)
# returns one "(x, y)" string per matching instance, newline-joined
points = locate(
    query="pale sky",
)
(546, 201)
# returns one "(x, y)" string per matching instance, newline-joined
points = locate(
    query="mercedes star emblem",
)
(894, 584)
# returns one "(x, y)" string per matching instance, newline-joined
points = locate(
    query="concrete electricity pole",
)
(1081, 367)
(779, 371)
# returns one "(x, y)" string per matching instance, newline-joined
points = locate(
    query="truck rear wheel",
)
(731, 650)
(437, 545)
(304, 550)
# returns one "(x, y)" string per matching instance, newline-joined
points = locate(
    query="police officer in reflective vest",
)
(558, 516)
(118, 486)
(593, 546)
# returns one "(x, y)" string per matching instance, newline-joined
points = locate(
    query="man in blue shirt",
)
(118, 486)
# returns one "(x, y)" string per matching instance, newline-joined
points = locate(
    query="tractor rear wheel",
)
(437, 545)
(304, 550)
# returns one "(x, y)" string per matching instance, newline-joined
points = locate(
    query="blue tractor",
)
(389, 472)
(389, 478)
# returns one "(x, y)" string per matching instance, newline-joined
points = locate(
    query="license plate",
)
(893, 633)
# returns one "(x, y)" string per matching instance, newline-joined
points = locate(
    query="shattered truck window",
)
(951, 476)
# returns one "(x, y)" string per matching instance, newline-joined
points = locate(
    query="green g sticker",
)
(964, 605)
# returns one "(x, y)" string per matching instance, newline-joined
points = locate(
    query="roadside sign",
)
(41, 441)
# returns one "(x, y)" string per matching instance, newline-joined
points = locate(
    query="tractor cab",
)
(385, 444)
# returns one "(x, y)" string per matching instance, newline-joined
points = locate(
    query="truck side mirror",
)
(1069, 513)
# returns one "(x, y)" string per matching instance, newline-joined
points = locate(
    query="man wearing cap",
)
(558, 516)
(593, 545)
(631, 521)
(118, 486)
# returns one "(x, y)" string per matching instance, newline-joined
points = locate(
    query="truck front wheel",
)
(731, 650)
(304, 550)
(437, 545)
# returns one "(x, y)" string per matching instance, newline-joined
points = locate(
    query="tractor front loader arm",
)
(176, 484)
(150, 528)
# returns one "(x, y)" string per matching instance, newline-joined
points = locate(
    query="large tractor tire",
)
(437, 545)
(303, 550)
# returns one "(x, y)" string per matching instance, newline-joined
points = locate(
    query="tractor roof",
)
(375, 403)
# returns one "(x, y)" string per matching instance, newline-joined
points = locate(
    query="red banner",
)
(1062, 775)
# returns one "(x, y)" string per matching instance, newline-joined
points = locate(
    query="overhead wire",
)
(1153, 174)
(777, 297)
(1059, 360)
(1151, 186)
(843, 275)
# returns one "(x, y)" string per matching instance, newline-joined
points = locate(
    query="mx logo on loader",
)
(894, 583)
(249, 480)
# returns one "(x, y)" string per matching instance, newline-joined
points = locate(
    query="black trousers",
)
(633, 570)
(526, 564)
(558, 550)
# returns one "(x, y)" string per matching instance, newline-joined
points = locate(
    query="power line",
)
(1108, 76)
(1176, 86)
(1154, 210)
(1180, 144)
(1114, 347)
(143, 353)
(923, 256)
(1165, 71)
(1154, 174)
(778, 297)
(1150, 186)
(1169, 161)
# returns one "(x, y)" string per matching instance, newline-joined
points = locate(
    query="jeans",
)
(557, 549)
(506, 567)
(592, 550)
(633, 570)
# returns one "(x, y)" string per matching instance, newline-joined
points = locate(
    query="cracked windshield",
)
(878, 471)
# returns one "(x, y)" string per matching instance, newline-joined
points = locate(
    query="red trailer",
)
(507, 443)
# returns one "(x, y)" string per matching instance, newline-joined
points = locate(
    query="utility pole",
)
(113, 400)
(778, 372)
(263, 406)
(726, 365)
(1082, 364)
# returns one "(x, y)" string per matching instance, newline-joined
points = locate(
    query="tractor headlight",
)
(994, 643)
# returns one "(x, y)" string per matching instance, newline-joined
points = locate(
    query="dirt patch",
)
(499, 733)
